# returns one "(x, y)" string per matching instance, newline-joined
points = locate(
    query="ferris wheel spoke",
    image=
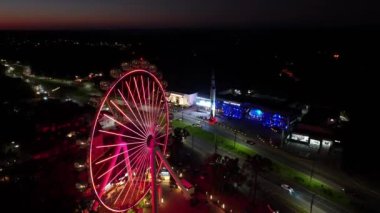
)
(116, 155)
(145, 108)
(139, 161)
(141, 104)
(144, 175)
(162, 125)
(109, 170)
(160, 113)
(158, 163)
(137, 108)
(153, 100)
(139, 171)
(114, 178)
(131, 110)
(121, 192)
(113, 167)
(129, 119)
(148, 104)
(152, 104)
(142, 129)
(124, 168)
(161, 144)
(156, 102)
(99, 170)
(112, 145)
(118, 122)
(163, 135)
(110, 108)
(122, 135)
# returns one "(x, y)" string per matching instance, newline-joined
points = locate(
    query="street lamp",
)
(312, 165)
(311, 203)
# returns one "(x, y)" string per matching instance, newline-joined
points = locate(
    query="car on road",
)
(251, 142)
(197, 124)
(287, 188)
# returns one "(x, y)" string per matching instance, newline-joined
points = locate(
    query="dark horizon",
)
(56, 14)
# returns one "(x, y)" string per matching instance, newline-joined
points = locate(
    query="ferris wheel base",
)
(212, 120)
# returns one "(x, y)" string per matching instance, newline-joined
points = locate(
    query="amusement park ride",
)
(129, 141)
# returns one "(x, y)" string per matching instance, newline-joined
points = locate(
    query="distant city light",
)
(336, 56)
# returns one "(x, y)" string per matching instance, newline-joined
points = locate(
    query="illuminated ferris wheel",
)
(128, 141)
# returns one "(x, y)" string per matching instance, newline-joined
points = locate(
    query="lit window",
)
(302, 138)
(315, 142)
(326, 142)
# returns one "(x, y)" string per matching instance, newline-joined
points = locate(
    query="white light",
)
(204, 103)
(162, 200)
(17, 146)
(45, 98)
(107, 187)
(232, 103)
(223, 206)
(210, 197)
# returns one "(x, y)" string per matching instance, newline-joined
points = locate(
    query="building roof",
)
(316, 131)
(181, 93)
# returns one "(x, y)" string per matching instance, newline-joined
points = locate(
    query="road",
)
(56, 88)
(301, 198)
(367, 197)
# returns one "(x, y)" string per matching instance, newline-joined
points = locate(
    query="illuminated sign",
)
(232, 103)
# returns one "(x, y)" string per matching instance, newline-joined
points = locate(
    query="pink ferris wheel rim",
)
(138, 131)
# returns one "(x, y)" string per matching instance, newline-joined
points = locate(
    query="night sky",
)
(56, 14)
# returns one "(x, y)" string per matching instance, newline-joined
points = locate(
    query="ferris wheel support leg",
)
(95, 206)
(108, 175)
(153, 176)
(126, 158)
(173, 174)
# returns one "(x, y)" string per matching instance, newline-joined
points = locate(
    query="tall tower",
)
(212, 98)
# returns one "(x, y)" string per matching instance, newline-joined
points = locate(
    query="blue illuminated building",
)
(275, 120)
(233, 110)
(256, 114)
(264, 115)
